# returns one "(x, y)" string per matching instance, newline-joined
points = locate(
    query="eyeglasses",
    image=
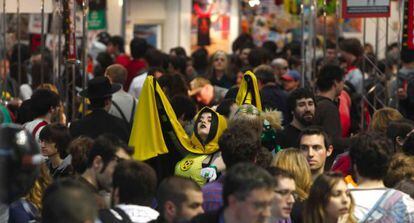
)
(287, 193)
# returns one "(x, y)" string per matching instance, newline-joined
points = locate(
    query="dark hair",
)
(271, 47)
(14, 72)
(316, 130)
(59, 134)
(154, 58)
(173, 85)
(243, 178)
(42, 101)
(136, 182)
(178, 63)
(408, 146)
(258, 56)
(36, 74)
(277, 173)
(370, 152)
(184, 105)
(406, 186)
(104, 61)
(119, 42)
(179, 51)
(224, 108)
(200, 59)
(79, 148)
(399, 128)
(117, 142)
(67, 201)
(330, 45)
(352, 46)
(264, 73)
(242, 40)
(174, 189)
(138, 47)
(239, 143)
(105, 149)
(328, 75)
(298, 94)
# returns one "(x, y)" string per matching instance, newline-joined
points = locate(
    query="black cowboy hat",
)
(99, 87)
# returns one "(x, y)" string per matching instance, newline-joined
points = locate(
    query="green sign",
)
(97, 20)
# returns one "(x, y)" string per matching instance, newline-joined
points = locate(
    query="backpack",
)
(107, 216)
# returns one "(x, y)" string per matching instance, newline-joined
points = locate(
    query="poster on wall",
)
(150, 32)
(270, 21)
(366, 8)
(210, 25)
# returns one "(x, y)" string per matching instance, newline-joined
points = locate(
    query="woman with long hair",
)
(219, 73)
(329, 201)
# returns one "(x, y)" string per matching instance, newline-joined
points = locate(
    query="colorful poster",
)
(210, 24)
(365, 8)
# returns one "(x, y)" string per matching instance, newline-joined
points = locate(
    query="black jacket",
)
(99, 122)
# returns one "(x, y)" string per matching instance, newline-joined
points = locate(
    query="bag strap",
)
(132, 111)
(378, 204)
(38, 126)
(125, 217)
(120, 111)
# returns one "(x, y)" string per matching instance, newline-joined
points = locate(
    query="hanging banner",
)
(410, 25)
(70, 33)
(366, 8)
(97, 20)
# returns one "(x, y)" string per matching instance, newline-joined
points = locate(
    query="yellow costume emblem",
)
(186, 165)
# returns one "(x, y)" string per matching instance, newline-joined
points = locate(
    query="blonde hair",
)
(293, 161)
(382, 117)
(35, 194)
(274, 117)
(315, 206)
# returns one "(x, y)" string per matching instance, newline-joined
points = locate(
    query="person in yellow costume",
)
(205, 160)
(157, 136)
(249, 91)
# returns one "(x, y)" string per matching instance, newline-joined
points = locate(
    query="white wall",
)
(114, 16)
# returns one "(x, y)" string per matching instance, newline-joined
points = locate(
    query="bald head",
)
(116, 74)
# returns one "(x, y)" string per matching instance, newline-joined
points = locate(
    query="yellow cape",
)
(156, 128)
(249, 91)
(212, 145)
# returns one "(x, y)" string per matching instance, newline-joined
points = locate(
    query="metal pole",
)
(314, 37)
(376, 57)
(3, 88)
(19, 69)
(42, 40)
(324, 28)
(73, 91)
(85, 7)
(363, 79)
(303, 67)
(60, 24)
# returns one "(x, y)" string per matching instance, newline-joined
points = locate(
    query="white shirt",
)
(30, 126)
(139, 214)
(136, 85)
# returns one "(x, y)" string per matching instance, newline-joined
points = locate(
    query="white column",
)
(114, 16)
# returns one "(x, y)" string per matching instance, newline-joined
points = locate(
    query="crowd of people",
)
(214, 137)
